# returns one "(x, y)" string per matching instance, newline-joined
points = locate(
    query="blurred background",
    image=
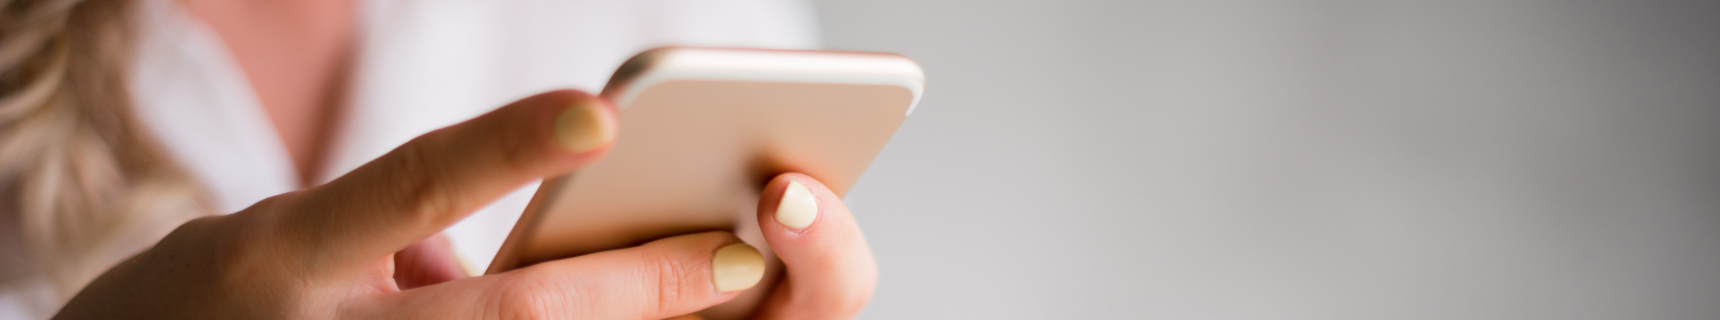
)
(1297, 159)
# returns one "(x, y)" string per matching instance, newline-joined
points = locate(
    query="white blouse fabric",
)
(422, 65)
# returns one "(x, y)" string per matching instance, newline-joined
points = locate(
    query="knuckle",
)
(854, 301)
(230, 252)
(516, 150)
(416, 186)
(232, 256)
(276, 208)
(864, 283)
(201, 233)
(192, 230)
(523, 304)
(530, 295)
(850, 302)
(279, 222)
(672, 280)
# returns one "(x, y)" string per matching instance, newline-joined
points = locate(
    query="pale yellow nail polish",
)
(798, 208)
(736, 267)
(584, 127)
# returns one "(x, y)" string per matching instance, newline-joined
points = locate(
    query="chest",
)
(297, 56)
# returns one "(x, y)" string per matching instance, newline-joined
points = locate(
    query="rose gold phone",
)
(702, 131)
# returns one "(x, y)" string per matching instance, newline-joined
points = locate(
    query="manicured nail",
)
(584, 127)
(798, 209)
(736, 267)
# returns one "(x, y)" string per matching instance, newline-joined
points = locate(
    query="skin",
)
(368, 245)
(326, 252)
(297, 56)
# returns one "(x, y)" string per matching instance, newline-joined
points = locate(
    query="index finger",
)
(436, 179)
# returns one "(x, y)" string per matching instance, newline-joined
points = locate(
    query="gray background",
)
(1297, 159)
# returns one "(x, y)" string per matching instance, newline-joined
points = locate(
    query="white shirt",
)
(422, 65)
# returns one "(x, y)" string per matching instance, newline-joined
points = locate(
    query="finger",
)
(831, 272)
(427, 262)
(664, 278)
(421, 187)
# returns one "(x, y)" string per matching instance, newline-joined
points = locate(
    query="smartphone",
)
(702, 130)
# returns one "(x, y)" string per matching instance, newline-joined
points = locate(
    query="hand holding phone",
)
(703, 133)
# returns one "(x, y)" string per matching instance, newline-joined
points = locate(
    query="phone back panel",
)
(692, 156)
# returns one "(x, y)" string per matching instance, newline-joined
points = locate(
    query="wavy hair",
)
(79, 176)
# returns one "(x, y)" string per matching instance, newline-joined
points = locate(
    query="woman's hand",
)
(327, 252)
(830, 271)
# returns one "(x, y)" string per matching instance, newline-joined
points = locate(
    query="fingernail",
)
(584, 127)
(798, 209)
(737, 267)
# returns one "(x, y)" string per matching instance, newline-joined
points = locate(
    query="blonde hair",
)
(87, 186)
